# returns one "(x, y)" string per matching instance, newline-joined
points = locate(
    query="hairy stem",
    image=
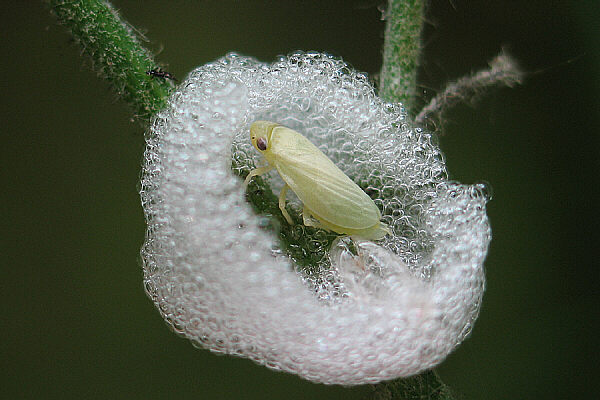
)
(401, 50)
(424, 386)
(116, 53)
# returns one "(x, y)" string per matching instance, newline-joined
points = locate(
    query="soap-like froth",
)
(368, 311)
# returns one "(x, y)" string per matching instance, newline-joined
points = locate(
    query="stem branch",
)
(401, 52)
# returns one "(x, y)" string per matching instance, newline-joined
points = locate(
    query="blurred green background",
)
(75, 321)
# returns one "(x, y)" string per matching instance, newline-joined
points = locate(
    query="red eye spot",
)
(261, 144)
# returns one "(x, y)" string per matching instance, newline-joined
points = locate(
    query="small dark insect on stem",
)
(159, 73)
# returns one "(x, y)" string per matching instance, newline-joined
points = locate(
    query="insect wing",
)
(327, 192)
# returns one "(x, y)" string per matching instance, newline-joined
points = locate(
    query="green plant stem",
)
(116, 53)
(401, 51)
(425, 386)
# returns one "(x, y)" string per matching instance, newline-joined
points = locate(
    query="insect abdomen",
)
(320, 184)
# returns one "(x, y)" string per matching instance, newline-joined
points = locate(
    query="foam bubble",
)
(357, 312)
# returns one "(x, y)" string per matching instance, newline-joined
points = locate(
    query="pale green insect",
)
(331, 200)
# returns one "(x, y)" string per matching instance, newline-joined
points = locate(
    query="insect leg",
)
(282, 205)
(257, 172)
(309, 220)
(307, 217)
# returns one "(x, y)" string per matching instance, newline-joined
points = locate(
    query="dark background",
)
(75, 322)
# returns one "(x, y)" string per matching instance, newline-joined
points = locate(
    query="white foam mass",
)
(368, 311)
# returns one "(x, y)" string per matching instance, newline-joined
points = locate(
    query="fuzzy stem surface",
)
(401, 52)
(401, 49)
(427, 385)
(116, 53)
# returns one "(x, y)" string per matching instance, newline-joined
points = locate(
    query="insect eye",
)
(261, 144)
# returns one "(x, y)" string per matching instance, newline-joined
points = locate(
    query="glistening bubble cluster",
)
(219, 278)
